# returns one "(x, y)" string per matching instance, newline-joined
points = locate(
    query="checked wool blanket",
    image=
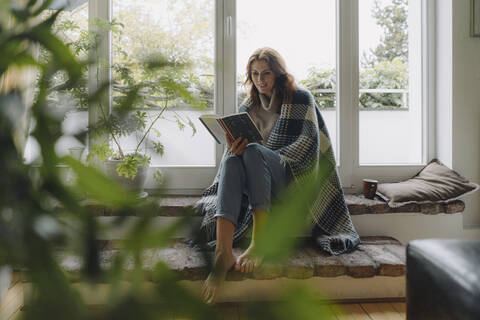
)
(300, 138)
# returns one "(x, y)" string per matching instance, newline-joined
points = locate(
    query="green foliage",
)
(384, 75)
(159, 148)
(41, 214)
(322, 84)
(392, 18)
(163, 80)
(100, 151)
(98, 187)
(139, 83)
(158, 177)
(386, 66)
(129, 167)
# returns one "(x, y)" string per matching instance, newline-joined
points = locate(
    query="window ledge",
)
(172, 206)
(358, 204)
(378, 255)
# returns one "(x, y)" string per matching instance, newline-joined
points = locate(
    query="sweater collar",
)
(271, 105)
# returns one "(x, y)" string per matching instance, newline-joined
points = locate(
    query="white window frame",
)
(193, 179)
(351, 172)
(182, 179)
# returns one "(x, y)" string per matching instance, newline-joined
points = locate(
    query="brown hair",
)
(284, 81)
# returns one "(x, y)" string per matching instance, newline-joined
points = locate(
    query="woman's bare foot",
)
(222, 263)
(248, 261)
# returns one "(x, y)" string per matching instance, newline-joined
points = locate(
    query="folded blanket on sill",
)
(300, 137)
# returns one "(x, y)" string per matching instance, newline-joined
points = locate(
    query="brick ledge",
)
(376, 256)
(172, 206)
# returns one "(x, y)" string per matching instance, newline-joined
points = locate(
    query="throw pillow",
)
(434, 183)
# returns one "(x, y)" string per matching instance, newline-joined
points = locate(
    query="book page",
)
(211, 123)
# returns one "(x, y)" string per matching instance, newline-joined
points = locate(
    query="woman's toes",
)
(238, 264)
(209, 293)
(211, 296)
(247, 266)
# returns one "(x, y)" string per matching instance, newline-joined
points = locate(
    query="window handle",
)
(228, 27)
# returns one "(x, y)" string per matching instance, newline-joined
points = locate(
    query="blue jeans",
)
(257, 173)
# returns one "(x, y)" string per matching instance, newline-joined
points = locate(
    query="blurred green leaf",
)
(15, 58)
(29, 225)
(61, 54)
(45, 4)
(99, 187)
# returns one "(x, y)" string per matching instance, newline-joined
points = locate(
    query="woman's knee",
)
(232, 163)
(252, 150)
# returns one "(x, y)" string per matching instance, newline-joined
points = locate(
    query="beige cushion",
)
(434, 183)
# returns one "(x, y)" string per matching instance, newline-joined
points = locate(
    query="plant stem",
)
(120, 151)
(122, 156)
(151, 124)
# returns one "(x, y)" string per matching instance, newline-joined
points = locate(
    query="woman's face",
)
(263, 77)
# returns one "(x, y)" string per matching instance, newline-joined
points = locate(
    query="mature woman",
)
(251, 175)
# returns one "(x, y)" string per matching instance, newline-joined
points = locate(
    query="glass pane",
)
(390, 82)
(304, 34)
(183, 32)
(71, 27)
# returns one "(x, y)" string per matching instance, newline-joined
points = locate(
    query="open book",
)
(235, 125)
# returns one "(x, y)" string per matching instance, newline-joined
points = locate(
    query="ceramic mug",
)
(369, 188)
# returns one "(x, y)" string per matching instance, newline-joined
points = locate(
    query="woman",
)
(250, 175)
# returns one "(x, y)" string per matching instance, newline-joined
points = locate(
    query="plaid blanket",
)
(300, 138)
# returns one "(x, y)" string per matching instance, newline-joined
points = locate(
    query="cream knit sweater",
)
(266, 114)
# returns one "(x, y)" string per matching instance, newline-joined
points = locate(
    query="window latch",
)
(228, 27)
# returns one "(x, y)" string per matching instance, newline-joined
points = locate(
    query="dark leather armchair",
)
(443, 279)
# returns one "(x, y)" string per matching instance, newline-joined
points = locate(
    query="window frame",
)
(181, 179)
(351, 171)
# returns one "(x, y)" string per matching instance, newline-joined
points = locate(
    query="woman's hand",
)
(237, 146)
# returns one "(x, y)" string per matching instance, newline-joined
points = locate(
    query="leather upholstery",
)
(443, 279)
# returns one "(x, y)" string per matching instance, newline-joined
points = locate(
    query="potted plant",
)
(130, 167)
(143, 89)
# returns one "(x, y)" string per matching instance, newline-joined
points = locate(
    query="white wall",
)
(466, 106)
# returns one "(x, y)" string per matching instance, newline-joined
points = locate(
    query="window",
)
(390, 104)
(306, 42)
(184, 31)
(71, 26)
(385, 54)
(367, 63)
